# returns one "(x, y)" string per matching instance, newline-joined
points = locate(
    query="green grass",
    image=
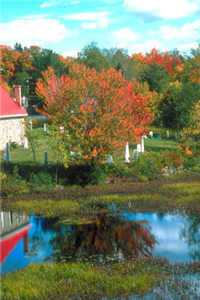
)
(49, 208)
(160, 145)
(43, 143)
(80, 281)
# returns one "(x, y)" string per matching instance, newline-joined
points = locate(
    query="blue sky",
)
(66, 26)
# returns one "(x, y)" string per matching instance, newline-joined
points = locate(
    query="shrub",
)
(41, 181)
(84, 174)
(192, 163)
(13, 146)
(173, 159)
(119, 169)
(148, 166)
(13, 184)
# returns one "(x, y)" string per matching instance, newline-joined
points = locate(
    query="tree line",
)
(106, 93)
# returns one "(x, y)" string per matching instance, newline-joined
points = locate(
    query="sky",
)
(67, 26)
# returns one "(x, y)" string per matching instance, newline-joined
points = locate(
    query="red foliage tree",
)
(169, 62)
(99, 111)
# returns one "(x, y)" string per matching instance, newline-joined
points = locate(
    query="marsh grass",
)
(80, 281)
(182, 188)
(82, 203)
(92, 281)
(49, 208)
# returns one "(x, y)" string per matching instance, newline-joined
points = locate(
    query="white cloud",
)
(185, 32)
(48, 4)
(171, 9)
(52, 3)
(146, 46)
(124, 37)
(33, 30)
(90, 20)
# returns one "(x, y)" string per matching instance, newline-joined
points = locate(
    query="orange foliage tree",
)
(169, 62)
(99, 111)
(13, 61)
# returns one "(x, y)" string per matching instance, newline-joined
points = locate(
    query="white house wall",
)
(11, 130)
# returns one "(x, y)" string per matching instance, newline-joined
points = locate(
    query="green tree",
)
(93, 57)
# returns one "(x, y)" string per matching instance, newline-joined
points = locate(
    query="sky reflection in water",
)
(177, 239)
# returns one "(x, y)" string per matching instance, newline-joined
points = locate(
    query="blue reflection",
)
(168, 230)
(39, 244)
(177, 237)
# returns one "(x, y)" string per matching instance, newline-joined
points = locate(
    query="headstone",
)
(45, 127)
(26, 146)
(110, 159)
(151, 134)
(142, 144)
(167, 134)
(135, 154)
(6, 155)
(127, 153)
(62, 129)
(138, 148)
(46, 158)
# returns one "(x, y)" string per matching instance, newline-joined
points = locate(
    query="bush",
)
(84, 174)
(148, 166)
(119, 169)
(41, 181)
(192, 163)
(173, 159)
(13, 184)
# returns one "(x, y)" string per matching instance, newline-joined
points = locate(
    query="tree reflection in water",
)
(191, 234)
(105, 237)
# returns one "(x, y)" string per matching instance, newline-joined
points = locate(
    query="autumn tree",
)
(98, 111)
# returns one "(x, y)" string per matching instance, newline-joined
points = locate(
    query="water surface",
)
(32, 239)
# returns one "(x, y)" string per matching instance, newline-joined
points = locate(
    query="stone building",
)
(12, 117)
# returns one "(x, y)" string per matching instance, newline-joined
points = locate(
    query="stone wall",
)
(11, 130)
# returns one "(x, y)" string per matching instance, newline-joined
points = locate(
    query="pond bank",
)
(162, 196)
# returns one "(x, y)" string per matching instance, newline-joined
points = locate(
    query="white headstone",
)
(151, 134)
(62, 129)
(26, 143)
(142, 144)
(110, 159)
(45, 127)
(127, 153)
(138, 148)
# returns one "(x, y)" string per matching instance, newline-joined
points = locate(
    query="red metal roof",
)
(9, 107)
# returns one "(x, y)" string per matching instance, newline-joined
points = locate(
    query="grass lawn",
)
(43, 143)
(159, 145)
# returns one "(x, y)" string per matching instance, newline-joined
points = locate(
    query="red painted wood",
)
(8, 242)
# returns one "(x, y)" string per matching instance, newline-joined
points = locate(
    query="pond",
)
(105, 237)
